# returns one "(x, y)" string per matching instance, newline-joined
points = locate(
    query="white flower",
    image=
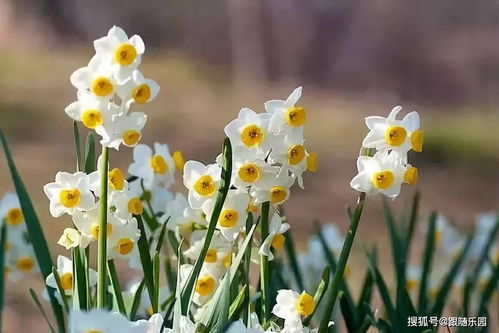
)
(124, 54)
(249, 130)
(290, 306)
(233, 214)
(250, 168)
(186, 326)
(286, 118)
(291, 155)
(138, 89)
(383, 173)
(10, 211)
(91, 111)
(394, 134)
(153, 325)
(96, 77)
(206, 284)
(273, 189)
(65, 272)
(123, 239)
(447, 238)
(69, 193)
(97, 320)
(123, 129)
(88, 225)
(71, 238)
(413, 277)
(201, 181)
(156, 168)
(275, 239)
(218, 253)
(125, 205)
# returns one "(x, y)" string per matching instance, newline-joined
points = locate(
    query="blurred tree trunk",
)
(246, 41)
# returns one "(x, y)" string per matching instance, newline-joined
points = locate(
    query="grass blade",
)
(145, 258)
(237, 305)
(115, 284)
(293, 262)
(90, 159)
(264, 265)
(61, 290)
(35, 232)
(489, 291)
(413, 219)
(136, 300)
(80, 287)
(156, 267)
(188, 290)
(77, 142)
(427, 260)
(40, 307)
(382, 287)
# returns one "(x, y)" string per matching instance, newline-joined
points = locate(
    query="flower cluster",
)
(388, 168)
(109, 85)
(19, 257)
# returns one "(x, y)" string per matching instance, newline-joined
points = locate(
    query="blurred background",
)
(353, 58)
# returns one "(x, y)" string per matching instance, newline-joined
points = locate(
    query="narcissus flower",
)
(249, 130)
(10, 211)
(65, 272)
(91, 111)
(155, 168)
(291, 306)
(138, 89)
(123, 53)
(202, 181)
(69, 193)
(219, 247)
(123, 129)
(383, 173)
(286, 117)
(273, 189)
(250, 169)
(206, 283)
(88, 225)
(390, 133)
(123, 239)
(96, 77)
(97, 320)
(72, 238)
(233, 215)
(276, 238)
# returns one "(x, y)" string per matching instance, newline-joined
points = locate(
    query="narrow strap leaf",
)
(319, 294)
(40, 307)
(427, 260)
(145, 258)
(115, 284)
(61, 289)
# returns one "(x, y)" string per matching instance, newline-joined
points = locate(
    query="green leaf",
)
(145, 258)
(177, 308)
(80, 279)
(237, 305)
(365, 294)
(382, 288)
(40, 307)
(115, 284)
(319, 294)
(171, 277)
(489, 292)
(102, 283)
(413, 219)
(35, 232)
(162, 235)
(188, 290)
(61, 290)
(427, 260)
(264, 266)
(136, 300)
(342, 262)
(156, 267)
(293, 262)
(449, 278)
(90, 160)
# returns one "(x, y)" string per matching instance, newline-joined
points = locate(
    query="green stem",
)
(101, 249)
(264, 265)
(3, 239)
(342, 262)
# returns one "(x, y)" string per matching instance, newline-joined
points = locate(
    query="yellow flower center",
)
(14, 216)
(278, 242)
(131, 137)
(211, 256)
(296, 154)
(205, 285)
(252, 208)
(125, 246)
(91, 118)
(116, 179)
(135, 206)
(150, 311)
(158, 164)
(438, 237)
(205, 186)
(179, 160)
(125, 54)
(252, 135)
(296, 116)
(25, 264)
(411, 176)
(278, 194)
(348, 271)
(70, 198)
(102, 86)
(395, 135)
(417, 138)
(227, 261)
(383, 179)
(228, 218)
(249, 173)
(94, 230)
(305, 304)
(93, 331)
(411, 284)
(141, 93)
(312, 162)
(66, 281)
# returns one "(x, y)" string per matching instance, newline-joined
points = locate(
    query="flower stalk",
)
(264, 264)
(102, 239)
